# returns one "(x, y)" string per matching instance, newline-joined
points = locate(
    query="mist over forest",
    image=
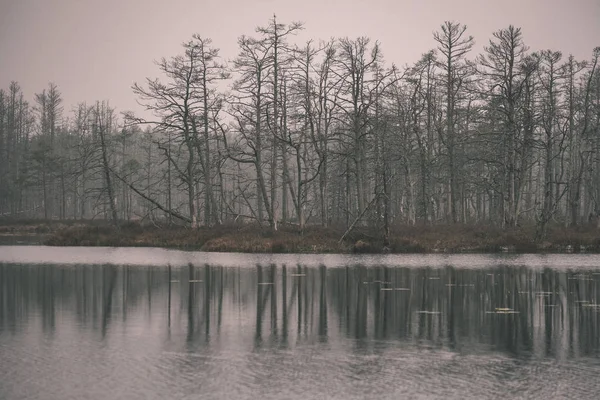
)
(327, 133)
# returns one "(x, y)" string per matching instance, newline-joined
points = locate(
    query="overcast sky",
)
(96, 49)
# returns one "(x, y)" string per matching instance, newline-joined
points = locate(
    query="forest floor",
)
(315, 239)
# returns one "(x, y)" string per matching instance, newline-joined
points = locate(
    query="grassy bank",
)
(254, 239)
(14, 231)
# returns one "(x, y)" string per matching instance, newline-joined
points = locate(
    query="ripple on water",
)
(104, 332)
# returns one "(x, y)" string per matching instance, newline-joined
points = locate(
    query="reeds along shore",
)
(315, 239)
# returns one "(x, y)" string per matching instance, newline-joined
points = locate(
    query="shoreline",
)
(431, 239)
(159, 257)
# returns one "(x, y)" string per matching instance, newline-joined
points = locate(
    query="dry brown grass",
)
(255, 239)
(130, 234)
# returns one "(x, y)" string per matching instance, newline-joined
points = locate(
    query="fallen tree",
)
(157, 204)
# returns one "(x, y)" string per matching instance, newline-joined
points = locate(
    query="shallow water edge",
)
(148, 256)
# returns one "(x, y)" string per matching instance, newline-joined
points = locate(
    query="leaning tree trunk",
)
(106, 170)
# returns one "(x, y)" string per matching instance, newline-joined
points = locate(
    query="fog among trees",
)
(321, 132)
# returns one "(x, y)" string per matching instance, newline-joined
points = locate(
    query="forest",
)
(321, 133)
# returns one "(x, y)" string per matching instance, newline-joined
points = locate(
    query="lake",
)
(139, 323)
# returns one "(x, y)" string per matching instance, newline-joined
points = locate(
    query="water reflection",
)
(517, 311)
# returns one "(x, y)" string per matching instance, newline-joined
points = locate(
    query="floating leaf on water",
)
(502, 312)
(582, 278)
(592, 305)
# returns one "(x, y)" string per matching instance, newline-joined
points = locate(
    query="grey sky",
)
(95, 50)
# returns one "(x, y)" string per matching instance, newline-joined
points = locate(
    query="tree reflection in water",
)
(518, 311)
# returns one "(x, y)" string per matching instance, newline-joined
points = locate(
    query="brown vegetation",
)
(254, 239)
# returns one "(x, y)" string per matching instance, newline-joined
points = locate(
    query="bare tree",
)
(103, 127)
(179, 106)
(454, 46)
(504, 83)
(355, 65)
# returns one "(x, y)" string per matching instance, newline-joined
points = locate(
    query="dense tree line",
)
(321, 132)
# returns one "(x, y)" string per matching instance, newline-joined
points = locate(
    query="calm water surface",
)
(99, 323)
